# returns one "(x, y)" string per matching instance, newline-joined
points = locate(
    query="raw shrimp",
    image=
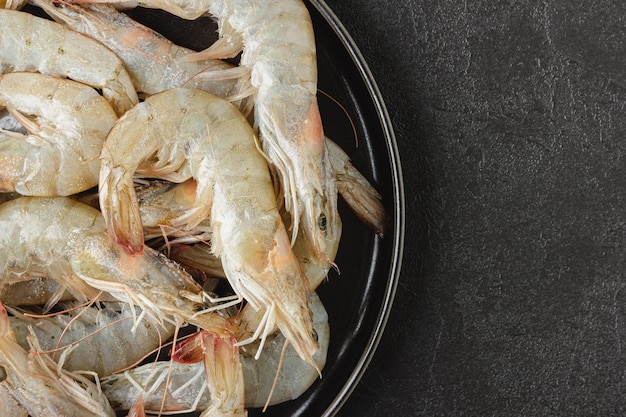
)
(222, 367)
(67, 123)
(183, 133)
(67, 240)
(188, 389)
(360, 195)
(154, 63)
(30, 43)
(12, 4)
(37, 291)
(279, 51)
(101, 340)
(41, 387)
(10, 406)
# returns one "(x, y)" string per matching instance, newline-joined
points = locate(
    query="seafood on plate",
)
(188, 133)
(31, 43)
(66, 123)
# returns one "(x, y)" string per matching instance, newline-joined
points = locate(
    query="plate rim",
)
(398, 219)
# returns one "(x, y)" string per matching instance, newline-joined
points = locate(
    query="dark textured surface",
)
(509, 117)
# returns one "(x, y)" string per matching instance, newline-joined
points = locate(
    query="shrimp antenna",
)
(169, 372)
(156, 351)
(345, 111)
(67, 310)
(280, 365)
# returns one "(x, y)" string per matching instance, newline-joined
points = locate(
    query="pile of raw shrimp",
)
(166, 214)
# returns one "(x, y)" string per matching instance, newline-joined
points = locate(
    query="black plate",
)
(358, 298)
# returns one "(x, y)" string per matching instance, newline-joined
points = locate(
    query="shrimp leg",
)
(183, 133)
(188, 389)
(67, 123)
(42, 388)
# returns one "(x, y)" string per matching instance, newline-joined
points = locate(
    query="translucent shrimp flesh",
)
(154, 63)
(188, 389)
(66, 122)
(66, 240)
(43, 388)
(31, 43)
(100, 339)
(183, 133)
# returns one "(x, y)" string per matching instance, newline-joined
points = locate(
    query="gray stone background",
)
(510, 122)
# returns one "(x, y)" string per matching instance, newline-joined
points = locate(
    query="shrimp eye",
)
(321, 222)
(315, 336)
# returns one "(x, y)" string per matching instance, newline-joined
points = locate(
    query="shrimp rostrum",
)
(279, 52)
(183, 133)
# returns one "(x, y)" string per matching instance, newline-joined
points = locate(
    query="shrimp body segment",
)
(67, 123)
(280, 54)
(102, 340)
(43, 389)
(189, 391)
(154, 63)
(279, 50)
(66, 240)
(30, 43)
(184, 133)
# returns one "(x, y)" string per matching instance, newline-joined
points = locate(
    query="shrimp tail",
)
(224, 375)
(229, 44)
(120, 208)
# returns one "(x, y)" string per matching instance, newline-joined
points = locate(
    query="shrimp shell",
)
(182, 133)
(103, 340)
(154, 63)
(31, 43)
(188, 391)
(59, 155)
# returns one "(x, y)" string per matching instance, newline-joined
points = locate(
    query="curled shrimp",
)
(100, 339)
(31, 43)
(67, 240)
(154, 63)
(67, 123)
(10, 406)
(183, 133)
(188, 390)
(43, 388)
(279, 51)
